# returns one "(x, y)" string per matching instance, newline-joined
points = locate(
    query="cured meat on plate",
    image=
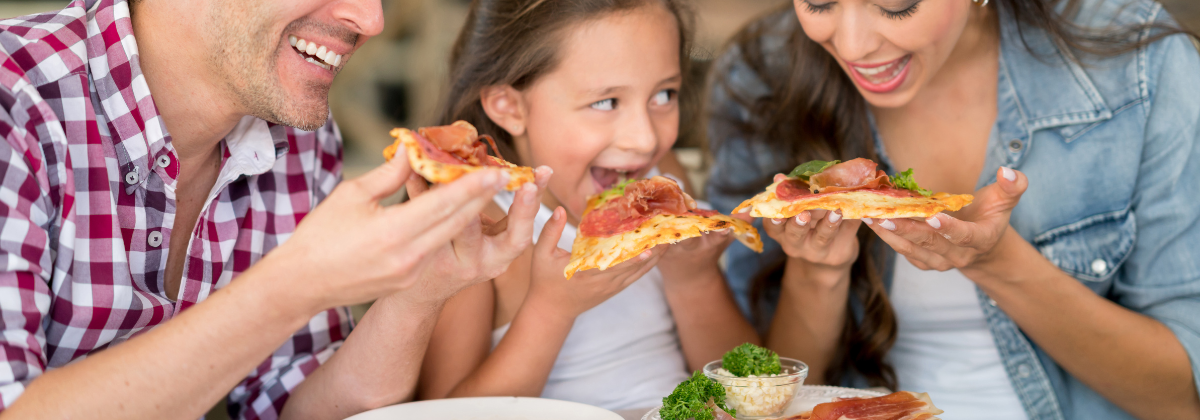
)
(901, 405)
(635, 216)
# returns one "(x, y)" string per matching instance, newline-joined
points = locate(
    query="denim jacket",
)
(1110, 148)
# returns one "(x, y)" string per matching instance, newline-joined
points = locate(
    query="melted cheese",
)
(441, 173)
(854, 204)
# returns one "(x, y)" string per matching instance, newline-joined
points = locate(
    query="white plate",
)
(489, 408)
(807, 397)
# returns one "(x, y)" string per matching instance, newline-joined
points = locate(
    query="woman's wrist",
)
(801, 272)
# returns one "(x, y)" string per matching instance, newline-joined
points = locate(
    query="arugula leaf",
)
(811, 168)
(748, 359)
(905, 180)
(616, 191)
(690, 399)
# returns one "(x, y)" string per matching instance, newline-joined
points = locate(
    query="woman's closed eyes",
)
(890, 14)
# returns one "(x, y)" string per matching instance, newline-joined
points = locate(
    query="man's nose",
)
(364, 17)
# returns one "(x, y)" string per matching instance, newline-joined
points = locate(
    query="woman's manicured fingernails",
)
(834, 217)
(887, 224)
(868, 221)
(934, 222)
(1008, 173)
(776, 221)
(744, 210)
(798, 221)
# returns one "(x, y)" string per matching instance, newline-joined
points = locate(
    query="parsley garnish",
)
(811, 168)
(748, 359)
(904, 180)
(616, 191)
(690, 400)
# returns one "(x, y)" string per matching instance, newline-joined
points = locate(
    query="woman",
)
(1080, 302)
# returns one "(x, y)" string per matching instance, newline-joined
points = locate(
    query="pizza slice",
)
(856, 187)
(445, 153)
(634, 216)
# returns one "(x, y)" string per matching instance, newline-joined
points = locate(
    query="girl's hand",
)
(943, 242)
(549, 288)
(820, 238)
(691, 256)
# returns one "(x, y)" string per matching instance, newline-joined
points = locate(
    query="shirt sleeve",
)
(1161, 278)
(264, 392)
(25, 259)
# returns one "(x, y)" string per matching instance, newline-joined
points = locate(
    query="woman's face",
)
(890, 48)
(609, 108)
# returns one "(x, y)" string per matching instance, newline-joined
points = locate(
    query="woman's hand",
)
(970, 241)
(819, 238)
(550, 290)
(688, 258)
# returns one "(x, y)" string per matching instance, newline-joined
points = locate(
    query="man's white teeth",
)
(320, 55)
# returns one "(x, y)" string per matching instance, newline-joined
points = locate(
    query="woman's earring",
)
(981, 4)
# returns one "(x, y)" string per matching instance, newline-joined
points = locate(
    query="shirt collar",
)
(1049, 86)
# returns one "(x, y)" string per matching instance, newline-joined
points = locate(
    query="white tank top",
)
(622, 354)
(944, 346)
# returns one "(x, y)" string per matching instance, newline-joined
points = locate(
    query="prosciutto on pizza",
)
(901, 405)
(856, 187)
(634, 216)
(445, 153)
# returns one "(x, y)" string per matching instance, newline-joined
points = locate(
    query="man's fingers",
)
(439, 215)
(385, 179)
(521, 216)
(415, 185)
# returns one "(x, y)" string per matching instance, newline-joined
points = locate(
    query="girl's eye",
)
(605, 104)
(903, 13)
(817, 8)
(663, 97)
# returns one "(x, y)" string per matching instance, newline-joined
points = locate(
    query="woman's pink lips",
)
(886, 87)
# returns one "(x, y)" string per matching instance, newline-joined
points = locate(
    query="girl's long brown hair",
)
(514, 42)
(814, 111)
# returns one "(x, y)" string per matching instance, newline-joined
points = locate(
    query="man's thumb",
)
(386, 179)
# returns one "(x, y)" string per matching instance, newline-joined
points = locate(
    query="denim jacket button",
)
(1015, 145)
(1099, 266)
(1023, 371)
(992, 302)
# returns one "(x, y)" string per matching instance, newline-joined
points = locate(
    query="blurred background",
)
(395, 79)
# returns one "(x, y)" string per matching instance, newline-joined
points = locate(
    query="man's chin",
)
(308, 117)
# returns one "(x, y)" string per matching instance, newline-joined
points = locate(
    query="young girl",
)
(588, 88)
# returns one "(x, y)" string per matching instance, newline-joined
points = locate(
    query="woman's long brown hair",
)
(514, 42)
(814, 112)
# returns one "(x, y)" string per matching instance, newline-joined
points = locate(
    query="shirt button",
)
(1099, 267)
(1023, 371)
(154, 239)
(164, 161)
(1015, 146)
(131, 177)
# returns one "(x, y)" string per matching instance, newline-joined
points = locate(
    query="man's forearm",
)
(376, 366)
(180, 368)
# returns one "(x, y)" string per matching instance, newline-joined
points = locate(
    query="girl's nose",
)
(637, 133)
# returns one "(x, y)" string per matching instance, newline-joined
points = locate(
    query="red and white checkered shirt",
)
(87, 203)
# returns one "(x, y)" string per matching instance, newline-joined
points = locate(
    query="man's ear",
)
(505, 106)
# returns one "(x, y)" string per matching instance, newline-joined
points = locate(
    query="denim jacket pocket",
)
(1091, 249)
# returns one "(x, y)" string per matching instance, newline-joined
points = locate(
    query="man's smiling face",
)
(254, 47)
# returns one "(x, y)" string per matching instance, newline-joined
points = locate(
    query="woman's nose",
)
(854, 38)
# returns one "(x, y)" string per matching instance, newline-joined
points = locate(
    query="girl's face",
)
(890, 48)
(609, 109)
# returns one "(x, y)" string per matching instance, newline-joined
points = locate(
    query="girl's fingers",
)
(547, 242)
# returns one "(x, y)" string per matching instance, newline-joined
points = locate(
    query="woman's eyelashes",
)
(605, 104)
(890, 14)
(908, 11)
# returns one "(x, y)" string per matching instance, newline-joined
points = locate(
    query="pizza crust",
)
(441, 173)
(854, 204)
(590, 252)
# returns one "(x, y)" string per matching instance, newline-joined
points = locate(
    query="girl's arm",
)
(521, 362)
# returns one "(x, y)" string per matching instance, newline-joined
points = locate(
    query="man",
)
(149, 179)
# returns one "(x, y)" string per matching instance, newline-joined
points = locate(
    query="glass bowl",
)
(763, 396)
